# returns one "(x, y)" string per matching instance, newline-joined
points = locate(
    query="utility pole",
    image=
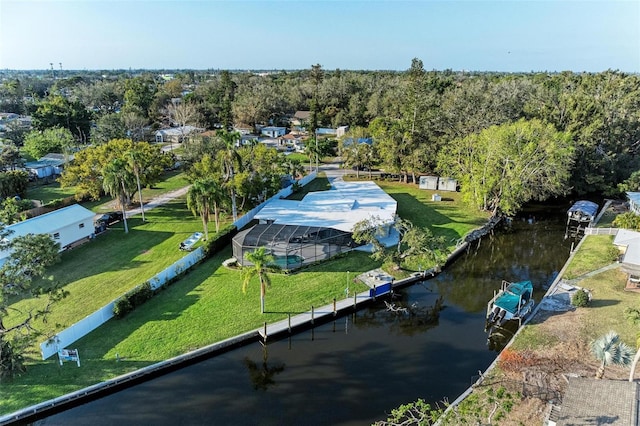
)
(316, 130)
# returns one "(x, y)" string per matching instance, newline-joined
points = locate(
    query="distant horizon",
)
(507, 36)
(277, 70)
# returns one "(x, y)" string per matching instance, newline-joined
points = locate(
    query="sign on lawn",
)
(69, 355)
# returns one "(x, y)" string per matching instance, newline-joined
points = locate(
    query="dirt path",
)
(158, 201)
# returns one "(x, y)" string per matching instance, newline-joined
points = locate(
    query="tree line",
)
(412, 116)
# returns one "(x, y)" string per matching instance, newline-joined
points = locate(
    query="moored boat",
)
(514, 301)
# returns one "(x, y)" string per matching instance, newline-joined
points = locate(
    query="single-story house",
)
(49, 165)
(319, 226)
(66, 226)
(628, 242)
(300, 118)
(273, 132)
(175, 134)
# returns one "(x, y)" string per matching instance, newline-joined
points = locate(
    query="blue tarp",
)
(583, 209)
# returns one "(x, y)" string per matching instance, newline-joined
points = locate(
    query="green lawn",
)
(48, 193)
(609, 298)
(596, 252)
(172, 180)
(206, 306)
(448, 218)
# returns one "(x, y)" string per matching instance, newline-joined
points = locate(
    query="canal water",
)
(356, 369)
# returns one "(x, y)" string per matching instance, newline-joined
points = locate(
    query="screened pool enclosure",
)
(292, 246)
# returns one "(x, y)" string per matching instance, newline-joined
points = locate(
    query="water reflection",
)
(356, 369)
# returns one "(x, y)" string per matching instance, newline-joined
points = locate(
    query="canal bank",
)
(556, 298)
(353, 369)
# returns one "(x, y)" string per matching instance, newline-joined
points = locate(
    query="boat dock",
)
(380, 284)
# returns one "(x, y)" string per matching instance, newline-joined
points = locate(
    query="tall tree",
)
(84, 174)
(231, 163)
(203, 196)
(57, 111)
(117, 181)
(505, 166)
(108, 126)
(316, 75)
(261, 260)
(30, 255)
(38, 143)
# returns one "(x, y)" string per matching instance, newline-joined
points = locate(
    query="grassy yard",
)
(46, 193)
(206, 306)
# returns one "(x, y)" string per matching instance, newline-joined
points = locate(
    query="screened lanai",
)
(292, 246)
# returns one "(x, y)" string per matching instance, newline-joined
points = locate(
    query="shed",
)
(447, 184)
(428, 182)
(66, 226)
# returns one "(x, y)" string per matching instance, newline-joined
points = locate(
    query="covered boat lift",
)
(580, 216)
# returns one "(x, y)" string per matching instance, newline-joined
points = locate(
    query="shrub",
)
(219, 240)
(580, 298)
(627, 220)
(132, 300)
(613, 253)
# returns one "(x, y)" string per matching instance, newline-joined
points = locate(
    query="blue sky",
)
(508, 35)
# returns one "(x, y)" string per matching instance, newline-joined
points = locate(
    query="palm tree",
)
(610, 351)
(204, 195)
(261, 260)
(230, 160)
(135, 162)
(115, 180)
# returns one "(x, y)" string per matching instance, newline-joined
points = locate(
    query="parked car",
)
(109, 218)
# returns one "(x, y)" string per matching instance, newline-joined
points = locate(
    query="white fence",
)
(600, 231)
(102, 315)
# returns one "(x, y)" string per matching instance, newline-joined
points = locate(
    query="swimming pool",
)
(284, 261)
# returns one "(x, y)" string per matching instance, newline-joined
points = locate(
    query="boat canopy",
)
(583, 210)
(515, 292)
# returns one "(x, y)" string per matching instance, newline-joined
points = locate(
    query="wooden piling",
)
(335, 312)
(312, 314)
(289, 322)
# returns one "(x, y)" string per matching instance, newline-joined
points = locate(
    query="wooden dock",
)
(315, 315)
(325, 313)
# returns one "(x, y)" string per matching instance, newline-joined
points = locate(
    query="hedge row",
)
(132, 299)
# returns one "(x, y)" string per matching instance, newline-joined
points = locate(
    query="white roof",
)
(51, 222)
(634, 196)
(630, 239)
(178, 131)
(340, 208)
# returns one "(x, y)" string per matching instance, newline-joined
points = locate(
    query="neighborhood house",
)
(66, 226)
(317, 227)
